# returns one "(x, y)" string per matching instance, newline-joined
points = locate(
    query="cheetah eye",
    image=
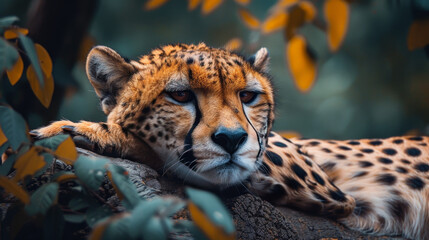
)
(247, 97)
(181, 96)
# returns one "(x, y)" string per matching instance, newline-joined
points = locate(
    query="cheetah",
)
(206, 115)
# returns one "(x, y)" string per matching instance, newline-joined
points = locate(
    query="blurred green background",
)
(372, 87)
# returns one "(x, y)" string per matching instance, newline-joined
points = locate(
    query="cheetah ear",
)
(108, 72)
(260, 60)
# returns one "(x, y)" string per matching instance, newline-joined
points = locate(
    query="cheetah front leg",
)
(107, 139)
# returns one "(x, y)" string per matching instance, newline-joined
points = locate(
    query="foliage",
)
(291, 15)
(14, 46)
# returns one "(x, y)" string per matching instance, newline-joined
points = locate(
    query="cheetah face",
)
(204, 111)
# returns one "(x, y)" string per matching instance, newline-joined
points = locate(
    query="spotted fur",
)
(186, 109)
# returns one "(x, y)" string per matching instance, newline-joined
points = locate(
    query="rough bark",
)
(254, 218)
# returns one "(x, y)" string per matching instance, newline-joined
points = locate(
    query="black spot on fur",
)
(279, 144)
(365, 164)
(337, 195)
(147, 127)
(104, 126)
(354, 143)
(375, 142)
(401, 170)
(318, 178)
(386, 179)
(276, 192)
(415, 183)
(415, 138)
(340, 156)
(328, 166)
(360, 174)
(274, 158)
(146, 110)
(189, 61)
(414, 152)
(385, 160)
(398, 209)
(405, 161)
(265, 169)
(308, 162)
(314, 143)
(422, 167)
(320, 197)
(344, 148)
(292, 183)
(358, 155)
(363, 208)
(367, 150)
(152, 139)
(398, 141)
(389, 151)
(326, 150)
(298, 171)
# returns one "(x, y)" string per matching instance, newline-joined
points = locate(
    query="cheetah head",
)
(206, 112)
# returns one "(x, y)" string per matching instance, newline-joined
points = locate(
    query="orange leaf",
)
(44, 95)
(274, 22)
(14, 33)
(28, 163)
(337, 19)
(309, 9)
(210, 5)
(251, 21)
(242, 2)
(205, 224)
(15, 73)
(12, 187)
(44, 59)
(301, 63)
(192, 4)
(153, 4)
(66, 177)
(233, 44)
(418, 35)
(117, 190)
(3, 137)
(67, 151)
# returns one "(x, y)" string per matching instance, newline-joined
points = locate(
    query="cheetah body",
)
(205, 114)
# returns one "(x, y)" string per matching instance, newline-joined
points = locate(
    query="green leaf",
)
(97, 213)
(142, 214)
(13, 126)
(8, 55)
(119, 229)
(7, 21)
(212, 207)
(53, 224)
(128, 192)
(90, 170)
(7, 165)
(30, 50)
(75, 218)
(52, 142)
(154, 229)
(42, 199)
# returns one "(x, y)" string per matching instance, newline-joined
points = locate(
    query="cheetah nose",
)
(229, 139)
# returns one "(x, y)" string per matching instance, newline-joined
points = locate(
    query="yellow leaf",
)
(14, 33)
(44, 59)
(66, 177)
(28, 163)
(233, 44)
(66, 151)
(153, 4)
(418, 35)
(274, 22)
(15, 73)
(251, 21)
(210, 5)
(3, 137)
(242, 2)
(301, 63)
(289, 134)
(204, 223)
(192, 4)
(309, 9)
(44, 95)
(12, 187)
(337, 19)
